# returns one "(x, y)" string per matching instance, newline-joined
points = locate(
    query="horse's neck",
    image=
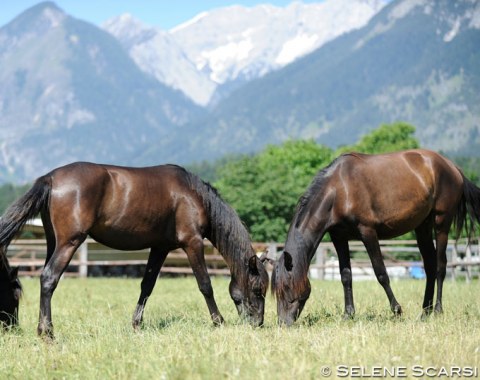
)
(227, 233)
(299, 245)
(235, 254)
(305, 235)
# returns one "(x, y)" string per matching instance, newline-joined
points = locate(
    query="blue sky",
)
(164, 14)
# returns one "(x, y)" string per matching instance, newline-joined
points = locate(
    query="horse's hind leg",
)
(341, 246)
(442, 241)
(49, 279)
(370, 240)
(195, 254)
(49, 234)
(427, 250)
(155, 261)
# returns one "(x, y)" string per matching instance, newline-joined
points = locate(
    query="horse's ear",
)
(288, 261)
(252, 265)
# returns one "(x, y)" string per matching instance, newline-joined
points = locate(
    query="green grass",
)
(94, 338)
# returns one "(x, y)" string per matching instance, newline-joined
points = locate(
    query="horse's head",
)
(291, 286)
(248, 291)
(10, 293)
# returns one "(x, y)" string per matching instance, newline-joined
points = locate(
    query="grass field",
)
(94, 338)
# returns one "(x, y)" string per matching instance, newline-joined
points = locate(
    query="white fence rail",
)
(93, 258)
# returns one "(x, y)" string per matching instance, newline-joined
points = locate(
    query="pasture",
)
(94, 337)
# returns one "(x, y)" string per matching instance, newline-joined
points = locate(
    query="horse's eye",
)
(236, 301)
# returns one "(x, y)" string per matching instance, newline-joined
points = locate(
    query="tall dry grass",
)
(94, 338)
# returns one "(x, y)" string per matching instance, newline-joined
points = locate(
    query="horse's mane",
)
(4, 264)
(317, 186)
(227, 232)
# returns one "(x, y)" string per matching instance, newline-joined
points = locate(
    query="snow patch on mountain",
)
(296, 47)
(236, 43)
(405, 7)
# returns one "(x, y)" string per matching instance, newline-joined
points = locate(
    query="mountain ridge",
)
(227, 47)
(405, 65)
(69, 89)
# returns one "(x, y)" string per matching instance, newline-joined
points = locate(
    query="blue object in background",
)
(416, 271)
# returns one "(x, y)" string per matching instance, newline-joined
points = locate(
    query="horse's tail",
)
(468, 213)
(25, 208)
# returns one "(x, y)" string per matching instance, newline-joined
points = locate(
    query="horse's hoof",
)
(348, 316)
(46, 336)
(45, 332)
(424, 316)
(426, 312)
(218, 320)
(397, 310)
(136, 326)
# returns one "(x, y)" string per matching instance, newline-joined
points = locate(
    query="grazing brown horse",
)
(10, 292)
(160, 207)
(371, 197)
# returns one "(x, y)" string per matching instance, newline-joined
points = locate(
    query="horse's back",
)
(123, 207)
(87, 175)
(395, 191)
(399, 172)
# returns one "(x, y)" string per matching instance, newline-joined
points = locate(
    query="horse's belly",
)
(400, 225)
(126, 240)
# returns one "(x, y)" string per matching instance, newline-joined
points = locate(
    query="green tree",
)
(265, 188)
(470, 167)
(208, 170)
(10, 193)
(386, 138)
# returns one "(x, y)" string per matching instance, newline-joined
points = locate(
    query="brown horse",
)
(371, 197)
(160, 207)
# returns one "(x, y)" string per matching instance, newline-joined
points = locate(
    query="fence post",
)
(468, 260)
(320, 261)
(272, 250)
(454, 260)
(83, 257)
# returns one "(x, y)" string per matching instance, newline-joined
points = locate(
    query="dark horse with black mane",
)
(160, 207)
(10, 293)
(371, 197)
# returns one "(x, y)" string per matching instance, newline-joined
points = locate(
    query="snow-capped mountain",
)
(416, 61)
(71, 92)
(218, 50)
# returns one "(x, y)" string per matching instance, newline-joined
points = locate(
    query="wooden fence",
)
(462, 260)
(93, 258)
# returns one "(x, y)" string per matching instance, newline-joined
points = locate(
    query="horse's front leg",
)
(49, 278)
(194, 250)
(343, 253)
(370, 240)
(155, 261)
